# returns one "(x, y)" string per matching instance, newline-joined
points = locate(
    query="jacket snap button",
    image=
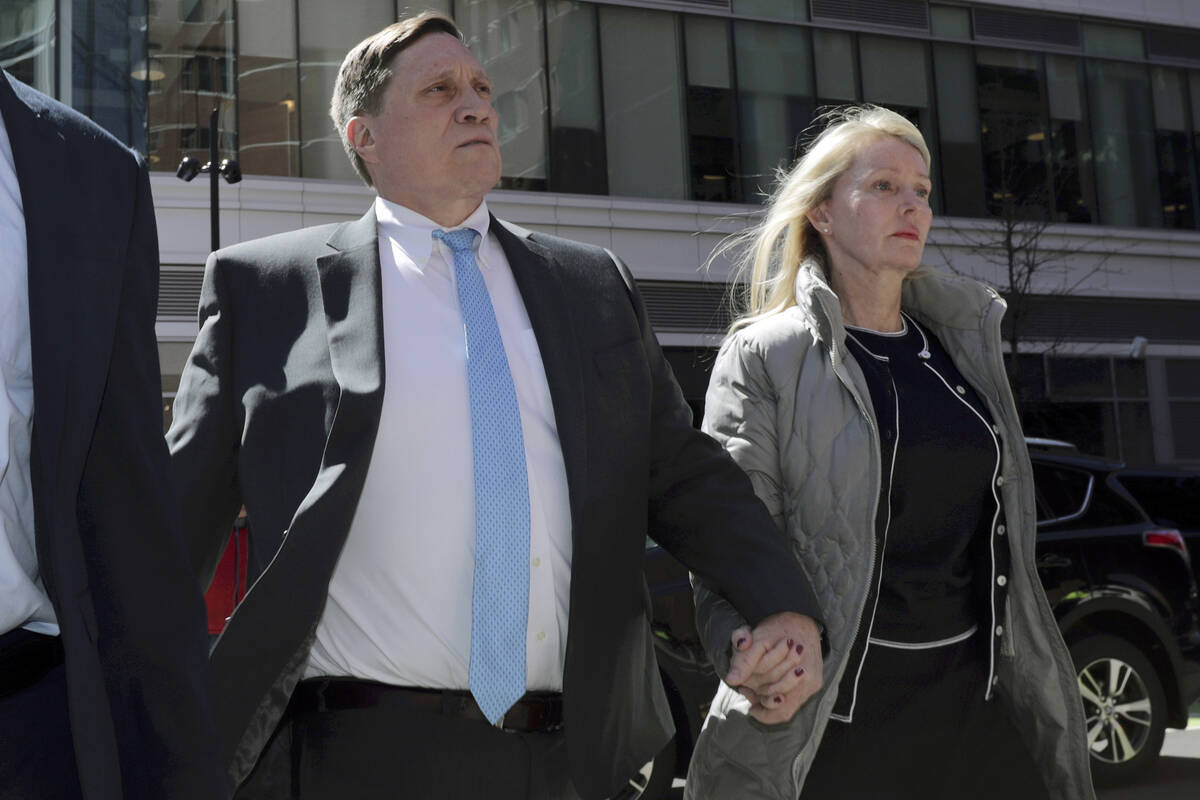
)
(1000, 530)
(1000, 481)
(1002, 580)
(996, 429)
(999, 630)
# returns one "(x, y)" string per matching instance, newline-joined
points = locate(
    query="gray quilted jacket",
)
(789, 403)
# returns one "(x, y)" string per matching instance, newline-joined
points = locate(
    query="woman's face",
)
(878, 215)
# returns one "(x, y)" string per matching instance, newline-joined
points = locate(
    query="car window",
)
(1172, 500)
(1062, 492)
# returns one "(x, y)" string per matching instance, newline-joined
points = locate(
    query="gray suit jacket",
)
(278, 408)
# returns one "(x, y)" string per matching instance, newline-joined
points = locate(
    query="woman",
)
(866, 398)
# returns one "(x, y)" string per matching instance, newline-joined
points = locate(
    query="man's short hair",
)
(367, 68)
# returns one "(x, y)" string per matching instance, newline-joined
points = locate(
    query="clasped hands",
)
(777, 666)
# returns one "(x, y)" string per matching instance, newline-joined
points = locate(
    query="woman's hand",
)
(777, 666)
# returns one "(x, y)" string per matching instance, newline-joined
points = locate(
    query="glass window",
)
(27, 43)
(1011, 103)
(837, 68)
(1110, 40)
(1123, 144)
(1137, 445)
(643, 102)
(773, 9)
(508, 39)
(1080, 377)
(327, 32)
(1072, 182)
(110, 73)
(895, 73)
(1183, 377)
(577, 161)
(775, 92)
(1185, 427)
(191, 67)
(952, 23)
(1061, 491)
(959, 171)
(268, 88)
(711, 116)
(1172, 145)
(1130, 376)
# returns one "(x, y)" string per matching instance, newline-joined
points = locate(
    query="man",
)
(455, 431)
(103, 674)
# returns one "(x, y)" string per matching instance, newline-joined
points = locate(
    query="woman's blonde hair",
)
(767, 256)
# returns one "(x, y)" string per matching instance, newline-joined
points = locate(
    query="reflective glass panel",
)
(643, 102)
(773, 9)
(327, 32)
(508, 39)
(711, 118)
(268, 88)
(191, 68)
(1123, 144)
(1173, 147)
(27, 42)
(895, 74)
(959, 171)
(837, 69)
(577, 162)
(775, 91)
(1072, 182)
(1011, 108)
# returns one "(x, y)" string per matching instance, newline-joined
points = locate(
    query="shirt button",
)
(1001, 580)
(541, 636)
(1000, 529)
(999, 630)
(960, 389)
(1000, 481)
(537, 562)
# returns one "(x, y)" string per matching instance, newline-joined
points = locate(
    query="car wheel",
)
(1124, 706)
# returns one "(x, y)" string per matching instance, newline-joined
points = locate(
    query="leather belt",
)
(536, 712)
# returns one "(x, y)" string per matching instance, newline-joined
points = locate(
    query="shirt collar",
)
(413, 232)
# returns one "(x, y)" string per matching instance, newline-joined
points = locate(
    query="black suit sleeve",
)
(703, 509)
(149, 622)
(204, 433)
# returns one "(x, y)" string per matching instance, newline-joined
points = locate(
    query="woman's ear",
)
(819, 217)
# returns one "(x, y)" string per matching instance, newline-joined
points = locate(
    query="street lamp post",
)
(228, 168)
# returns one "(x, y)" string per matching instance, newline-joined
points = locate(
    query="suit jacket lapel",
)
(537, 278)
(38, 150)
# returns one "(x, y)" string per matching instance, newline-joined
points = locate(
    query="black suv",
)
(1121, 587)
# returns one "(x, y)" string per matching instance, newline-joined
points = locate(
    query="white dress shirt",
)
(399, 608)
(23, 599)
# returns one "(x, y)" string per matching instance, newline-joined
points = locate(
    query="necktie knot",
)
(459, 240)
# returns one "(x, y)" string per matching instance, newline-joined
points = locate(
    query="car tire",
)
(1124, 707)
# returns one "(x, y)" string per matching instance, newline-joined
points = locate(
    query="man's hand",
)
(777, 666)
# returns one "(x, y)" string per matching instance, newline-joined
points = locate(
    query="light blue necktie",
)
(500, 597)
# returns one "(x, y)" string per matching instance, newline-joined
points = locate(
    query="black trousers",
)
(389, 753)
(37, 756)
(922, 730)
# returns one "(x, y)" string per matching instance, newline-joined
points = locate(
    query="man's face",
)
(432, 147)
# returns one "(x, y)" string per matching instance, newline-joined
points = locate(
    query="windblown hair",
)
(767, 256)
(367, 68)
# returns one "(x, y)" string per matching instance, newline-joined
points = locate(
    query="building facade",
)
(1065, 134)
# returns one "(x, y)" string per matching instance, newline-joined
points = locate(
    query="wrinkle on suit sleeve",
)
(204, 435)
(703, 508)
(150, 630)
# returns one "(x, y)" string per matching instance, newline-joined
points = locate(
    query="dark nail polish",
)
(741, 641)
(799, 649)
(799, 671)
(778, 699)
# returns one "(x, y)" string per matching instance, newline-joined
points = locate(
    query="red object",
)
(1167, 538)
(229, 584)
